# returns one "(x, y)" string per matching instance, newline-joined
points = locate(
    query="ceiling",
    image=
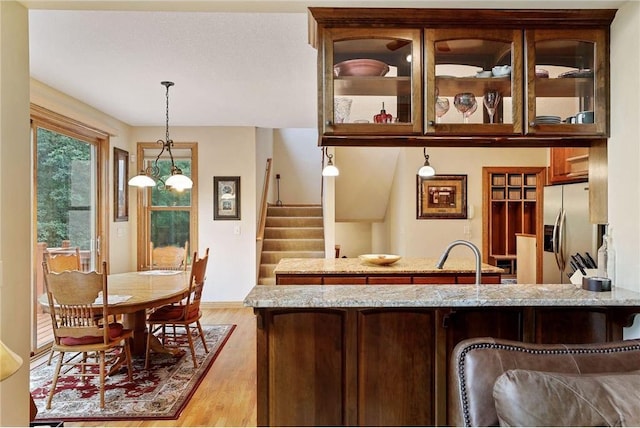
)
(234, 63)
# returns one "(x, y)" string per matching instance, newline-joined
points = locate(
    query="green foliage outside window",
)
(170, 227)
(64, 189)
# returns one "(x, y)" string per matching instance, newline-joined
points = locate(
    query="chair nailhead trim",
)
(461, 367)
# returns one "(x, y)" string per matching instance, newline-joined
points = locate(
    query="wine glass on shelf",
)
(466, 104)
(491, 100)
(469, 112)
(442, 107)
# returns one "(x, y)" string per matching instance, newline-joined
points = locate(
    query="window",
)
(167, 217)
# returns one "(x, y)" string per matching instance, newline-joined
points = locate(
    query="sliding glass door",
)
(68, 212)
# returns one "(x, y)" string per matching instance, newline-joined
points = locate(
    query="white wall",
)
(15, 203)
(624, 149)
(428, 238)
(222, 151)
(298, 160)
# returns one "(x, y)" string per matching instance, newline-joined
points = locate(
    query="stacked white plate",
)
(548, 119)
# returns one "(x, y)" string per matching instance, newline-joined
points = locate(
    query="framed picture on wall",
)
(120, 186)
(442, 197)
(226, 198)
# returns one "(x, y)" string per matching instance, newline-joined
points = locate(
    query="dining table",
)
(132, 294)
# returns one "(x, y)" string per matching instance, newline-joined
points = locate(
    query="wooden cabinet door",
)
(452, 58)
(568, 165)
(396, 357)
(371, 79)
(567, 82)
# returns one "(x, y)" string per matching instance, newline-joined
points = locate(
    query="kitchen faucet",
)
(475, 250)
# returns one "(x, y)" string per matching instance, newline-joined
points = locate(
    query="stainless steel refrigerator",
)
(567, 230)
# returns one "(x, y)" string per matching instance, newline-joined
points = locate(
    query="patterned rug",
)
(161, 392)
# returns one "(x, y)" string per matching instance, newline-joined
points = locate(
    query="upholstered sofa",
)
(500, 382)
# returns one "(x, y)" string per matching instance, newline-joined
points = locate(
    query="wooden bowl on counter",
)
(379, 259)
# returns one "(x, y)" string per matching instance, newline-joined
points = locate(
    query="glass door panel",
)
(566, 87)
(372, 82)
(473, 83)
(66, 209)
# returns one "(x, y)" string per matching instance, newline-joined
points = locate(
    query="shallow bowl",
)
(379, 259)
(360, 67)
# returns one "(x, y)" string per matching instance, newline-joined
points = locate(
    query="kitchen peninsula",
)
(378, 354)
(404, 271)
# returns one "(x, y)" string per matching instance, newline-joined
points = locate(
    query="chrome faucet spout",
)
(476, 252)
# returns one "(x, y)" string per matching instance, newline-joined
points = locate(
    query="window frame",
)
(143, 210)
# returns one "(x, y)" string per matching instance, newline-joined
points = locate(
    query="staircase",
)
(291, 231)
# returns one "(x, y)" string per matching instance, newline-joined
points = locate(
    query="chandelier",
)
(147, 177)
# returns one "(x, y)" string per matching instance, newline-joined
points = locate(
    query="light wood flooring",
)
(227, 395)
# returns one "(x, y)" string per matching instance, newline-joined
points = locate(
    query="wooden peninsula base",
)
(378, 355)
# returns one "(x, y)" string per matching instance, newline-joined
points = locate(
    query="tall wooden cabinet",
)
(512, 205)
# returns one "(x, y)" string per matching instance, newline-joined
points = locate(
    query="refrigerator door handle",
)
(555, 240)
(561, 243)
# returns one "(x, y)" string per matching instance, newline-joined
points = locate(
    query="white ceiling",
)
(234, 63)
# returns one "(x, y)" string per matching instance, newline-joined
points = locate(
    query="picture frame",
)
(226, 198)
(120, 186)
(442, 197)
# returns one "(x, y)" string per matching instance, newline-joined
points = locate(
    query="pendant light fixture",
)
(426, 170)
(147, 178)
(330, 170)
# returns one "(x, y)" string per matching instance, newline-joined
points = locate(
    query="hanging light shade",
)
(426, 170)
(330, 170)
(148, 177)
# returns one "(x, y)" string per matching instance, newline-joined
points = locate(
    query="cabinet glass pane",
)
(474, 76)
(564, 82)
(372, 80)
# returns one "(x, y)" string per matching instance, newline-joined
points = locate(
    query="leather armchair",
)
(476, 364)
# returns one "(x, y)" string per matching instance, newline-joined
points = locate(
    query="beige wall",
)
(223, 151)
(121, 251)
(624, 149)
(15, 202)
(298, 160)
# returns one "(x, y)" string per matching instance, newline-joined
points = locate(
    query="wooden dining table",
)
(131, 294)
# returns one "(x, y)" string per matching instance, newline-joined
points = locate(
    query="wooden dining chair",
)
(59, 262)
(183, 315)
(169, 257)
(71, 296)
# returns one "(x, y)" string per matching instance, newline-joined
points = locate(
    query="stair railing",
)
(263, 217)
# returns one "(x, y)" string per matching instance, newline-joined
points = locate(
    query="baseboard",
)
(221, 305)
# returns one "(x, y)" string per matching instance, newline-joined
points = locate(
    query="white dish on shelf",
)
(501, 70)
(379, 259)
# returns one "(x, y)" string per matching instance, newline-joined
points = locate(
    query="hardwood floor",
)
(227, 395)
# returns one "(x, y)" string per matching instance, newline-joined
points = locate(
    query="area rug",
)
(161, 392)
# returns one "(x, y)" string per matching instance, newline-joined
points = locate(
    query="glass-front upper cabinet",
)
(372, 82)
(567, 82)
(473, 81)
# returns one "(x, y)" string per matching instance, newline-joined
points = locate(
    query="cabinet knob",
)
(432, 123)
(532, 124)
(328, 123)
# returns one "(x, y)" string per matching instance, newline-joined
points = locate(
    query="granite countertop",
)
(356, 266)
(448, 295)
